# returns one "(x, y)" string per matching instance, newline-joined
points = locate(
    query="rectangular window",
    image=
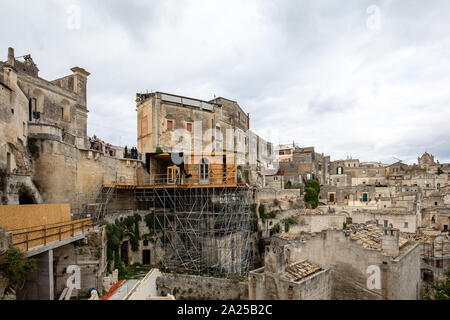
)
(169, 125)
(62, 113)
(364, 197)
(385, 223)
(405, 225)
(189, 127)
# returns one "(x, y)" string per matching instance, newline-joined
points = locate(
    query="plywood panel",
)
(26, 216)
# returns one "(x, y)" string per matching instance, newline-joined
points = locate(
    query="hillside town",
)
(202, 207)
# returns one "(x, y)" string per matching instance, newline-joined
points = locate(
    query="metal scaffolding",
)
(95, 204)
(202, 229)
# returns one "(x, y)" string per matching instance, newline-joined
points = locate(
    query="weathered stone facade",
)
(349, 260)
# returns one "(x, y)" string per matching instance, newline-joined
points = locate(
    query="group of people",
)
(131, 154)
(99, 145)
(95, 143)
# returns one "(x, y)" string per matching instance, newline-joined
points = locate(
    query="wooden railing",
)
(25, 239)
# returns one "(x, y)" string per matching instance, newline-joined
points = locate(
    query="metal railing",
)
(27, 238)
(212, 178)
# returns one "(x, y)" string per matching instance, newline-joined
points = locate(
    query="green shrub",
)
(275, 229)
(313, 184)
(311, 197)
(288, 222)
(262, 211)
(16, 268)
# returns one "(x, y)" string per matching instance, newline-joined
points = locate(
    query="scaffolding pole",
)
(203, 229)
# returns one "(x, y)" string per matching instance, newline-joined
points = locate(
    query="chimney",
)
(11, 58)
(390, 241)
(80, 83)
(274, 259)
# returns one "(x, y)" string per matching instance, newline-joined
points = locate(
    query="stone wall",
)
(90, 255)
(317, 223)
(403, 274)
(275, 199)
(349, 261)
(397, 220)
(69, 175)
(268, 286)
(201, 288)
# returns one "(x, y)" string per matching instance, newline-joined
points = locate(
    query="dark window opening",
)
(24, 198)
(145, 256)
(124, 252)
(169, 125)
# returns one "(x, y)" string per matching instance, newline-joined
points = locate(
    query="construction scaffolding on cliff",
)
(95, 204)
(204, 229)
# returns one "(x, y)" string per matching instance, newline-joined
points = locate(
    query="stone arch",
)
(344, 213)
(26, 198)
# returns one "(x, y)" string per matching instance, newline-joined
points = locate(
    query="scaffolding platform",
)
(204, 229)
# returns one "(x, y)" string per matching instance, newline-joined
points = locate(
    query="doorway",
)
(204, 171)
(124, 252)
(25, 198)
(145, 256)
(331, 197)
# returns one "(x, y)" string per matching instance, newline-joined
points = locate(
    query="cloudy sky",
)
(367, 79)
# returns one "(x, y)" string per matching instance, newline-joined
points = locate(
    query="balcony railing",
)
(216, 178)
(28, 238)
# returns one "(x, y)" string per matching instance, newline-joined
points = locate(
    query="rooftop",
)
(370, 236)
(300, 270)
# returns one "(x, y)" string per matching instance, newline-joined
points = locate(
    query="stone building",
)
(44, 150)
(402, 220)
(161, 114)
(351, 172)
(367, 262)
(437, 218)
(285, 153)
(284, 279)
(426, 161)
(306, 164)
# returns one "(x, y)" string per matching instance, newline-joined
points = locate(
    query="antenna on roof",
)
(25, 57)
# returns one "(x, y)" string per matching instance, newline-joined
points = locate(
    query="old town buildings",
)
(380, 231)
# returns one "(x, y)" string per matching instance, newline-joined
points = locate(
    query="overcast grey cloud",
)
(310, 71)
